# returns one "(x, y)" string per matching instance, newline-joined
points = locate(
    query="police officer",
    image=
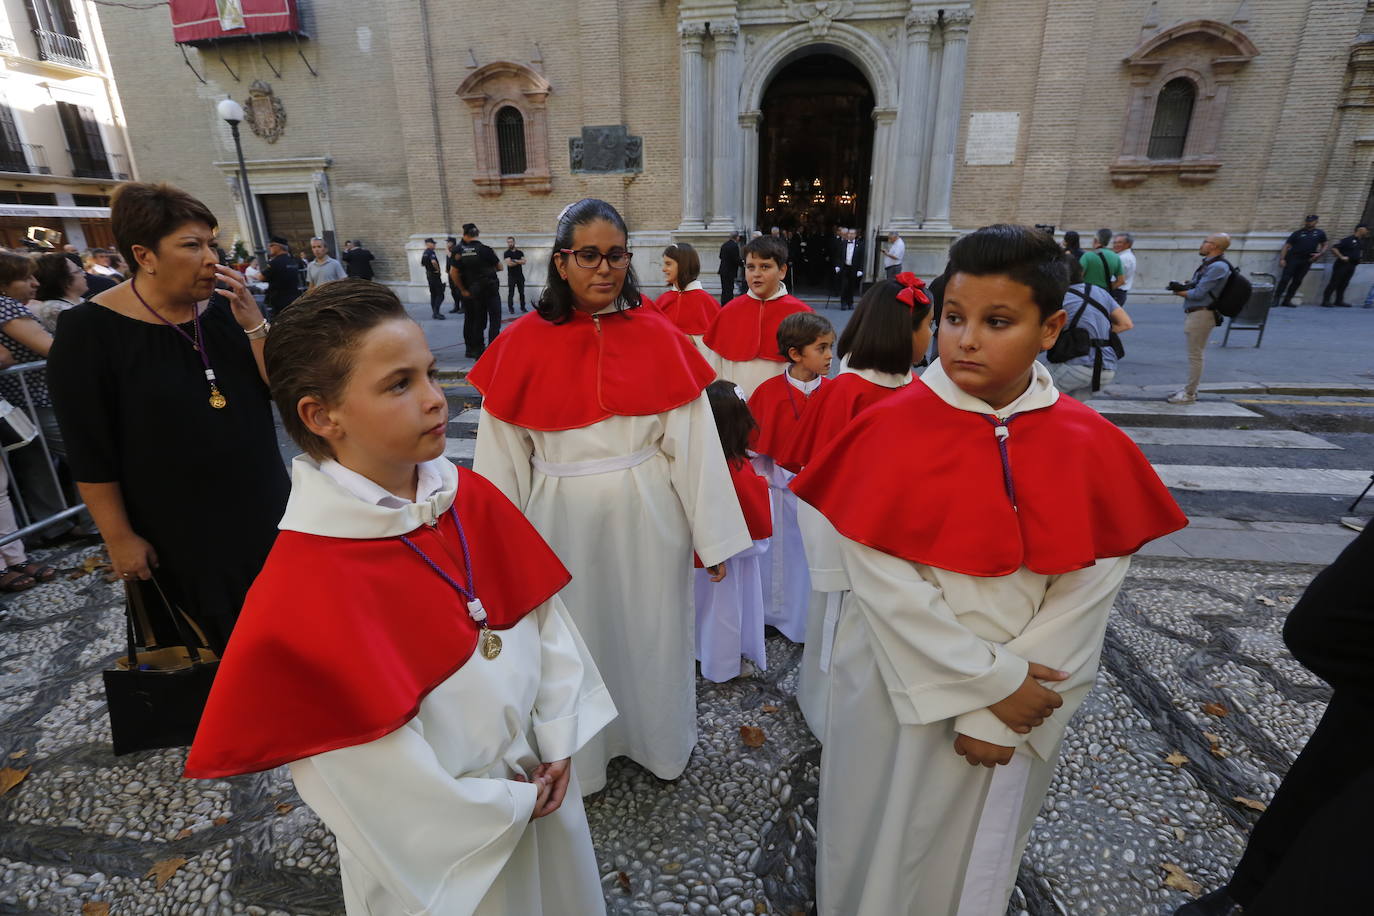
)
(1347, 254)
(451, 271)
(430, 262)
(282, 274)
(477, 267)
(1299, 253)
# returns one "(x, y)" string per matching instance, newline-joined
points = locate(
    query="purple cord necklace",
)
(489, 644)
(217, 400)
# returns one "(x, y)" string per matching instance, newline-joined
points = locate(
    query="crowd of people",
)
(655, 483)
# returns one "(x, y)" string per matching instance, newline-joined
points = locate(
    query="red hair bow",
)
(913, 290)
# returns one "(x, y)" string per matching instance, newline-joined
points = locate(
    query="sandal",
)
(11, 581)
(41, 573)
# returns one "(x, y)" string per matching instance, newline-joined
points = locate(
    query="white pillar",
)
(941, 185)
(725, 160)
(749, 192)
(912, 117)
(693, 34)
(882, 181)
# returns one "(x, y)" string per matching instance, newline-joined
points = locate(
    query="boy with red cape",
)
(405, 650)
(986, 525)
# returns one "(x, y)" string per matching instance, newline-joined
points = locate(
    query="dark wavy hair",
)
(556, 301)
(879, 335)
(1020, 253)
(733, 420)
(52, 274)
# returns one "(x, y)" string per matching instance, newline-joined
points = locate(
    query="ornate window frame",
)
(486, 91)
(1207, 53)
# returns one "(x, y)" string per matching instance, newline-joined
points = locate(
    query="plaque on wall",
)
(606, 149)
(992, 137)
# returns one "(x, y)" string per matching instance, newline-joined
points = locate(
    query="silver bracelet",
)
(260, 331)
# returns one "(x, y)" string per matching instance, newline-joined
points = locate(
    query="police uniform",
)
(1341, 271)
(1302, 244)
(477, 265)
(433, 275)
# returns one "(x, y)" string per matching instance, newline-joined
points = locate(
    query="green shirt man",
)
(1093, 269)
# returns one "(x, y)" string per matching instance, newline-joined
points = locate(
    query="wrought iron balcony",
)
(86, 164)
(62, 49)
(30, 159)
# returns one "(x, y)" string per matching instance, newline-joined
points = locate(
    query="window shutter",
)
(1173, 114)
(91, 128)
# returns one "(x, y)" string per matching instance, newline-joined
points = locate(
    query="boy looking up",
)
(743, 335)
(981, 585)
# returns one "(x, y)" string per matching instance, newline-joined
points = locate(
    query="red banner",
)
(196, 21)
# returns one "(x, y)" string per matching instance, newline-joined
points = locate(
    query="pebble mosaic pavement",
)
(736, 834)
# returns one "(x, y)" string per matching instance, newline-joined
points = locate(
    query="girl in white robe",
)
(595, 422)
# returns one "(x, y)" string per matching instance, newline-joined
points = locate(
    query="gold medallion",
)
(490, 644)
(217, 400)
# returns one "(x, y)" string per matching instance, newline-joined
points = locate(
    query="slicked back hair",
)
(1022, 254)
(556, 302)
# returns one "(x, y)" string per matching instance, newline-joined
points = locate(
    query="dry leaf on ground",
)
(769, 708)
(752, 735)
(1216, 709)
(1220, 753)
(1176, 878)
(10, 777)
(19, 754)
(221, 821)
(183, 834)
(1176, 759)
(1214, 739)
(623, 879)
(284, 808)
(1266, 601)
(95, 908)
(164, 870)
(1250, 803)
(1179, 834)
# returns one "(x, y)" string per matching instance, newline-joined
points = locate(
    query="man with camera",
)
(1199, 317)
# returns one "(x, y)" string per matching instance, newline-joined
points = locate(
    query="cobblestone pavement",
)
(736, 834)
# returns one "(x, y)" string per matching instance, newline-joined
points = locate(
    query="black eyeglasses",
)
(590, 258)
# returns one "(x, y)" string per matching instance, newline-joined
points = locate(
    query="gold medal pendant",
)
(217, 400)
(489, 645)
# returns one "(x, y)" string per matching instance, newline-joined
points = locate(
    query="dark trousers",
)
(1291, 279)
(849, 281)
(1304, 812)
(514, 285)
(1341, 272)
(436, 295)
(482, 316)
(727, 287)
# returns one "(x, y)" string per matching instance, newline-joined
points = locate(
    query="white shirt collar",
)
(695, 284)
(1039, 393)
(331, 500)
(804, 387)
(883, 379)
(782, 291)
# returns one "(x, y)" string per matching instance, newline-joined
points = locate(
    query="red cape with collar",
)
(340, 639)
(921, 480)
(752, 491)
(778, 408)
(832, 407)
(691, 311)
(547, 376)
(747, 328)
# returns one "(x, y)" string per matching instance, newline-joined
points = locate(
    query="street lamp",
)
(232, 113)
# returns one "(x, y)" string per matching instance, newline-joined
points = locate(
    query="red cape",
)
(936, 493)
(830, 412)
(747, 328)
(340, 639)
(752, 490)
(691, 311)
(778, 408)
(547, 376)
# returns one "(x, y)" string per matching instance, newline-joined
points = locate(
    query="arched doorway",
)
(815, 152)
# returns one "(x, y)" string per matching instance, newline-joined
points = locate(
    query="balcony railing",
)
(29, 159)
(86, 164)
(62, 49)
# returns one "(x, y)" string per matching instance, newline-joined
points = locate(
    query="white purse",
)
(16, 429)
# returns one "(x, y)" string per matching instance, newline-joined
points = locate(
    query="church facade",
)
(400, 120)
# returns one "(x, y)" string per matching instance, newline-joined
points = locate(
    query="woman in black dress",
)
(163, 402)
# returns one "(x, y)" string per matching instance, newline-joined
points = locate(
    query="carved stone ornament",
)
(607, 149)
(264, 112)
(819, 14)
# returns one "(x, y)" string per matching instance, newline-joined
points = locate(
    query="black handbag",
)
(156, 696)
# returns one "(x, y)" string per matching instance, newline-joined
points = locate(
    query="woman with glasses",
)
(595, 423)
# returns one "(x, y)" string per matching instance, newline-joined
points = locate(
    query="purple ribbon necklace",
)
(489, 644)
(217, 400)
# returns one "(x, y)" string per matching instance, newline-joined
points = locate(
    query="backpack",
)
(1075, 342)
(1234, 293)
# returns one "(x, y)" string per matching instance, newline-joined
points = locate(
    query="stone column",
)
(941, 183)
(912, 116)
(693, 34)
(749, 190)
(882, 182)
(725, 132)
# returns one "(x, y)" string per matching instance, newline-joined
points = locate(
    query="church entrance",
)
(815, 156)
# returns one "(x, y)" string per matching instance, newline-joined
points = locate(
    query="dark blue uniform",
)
(477, 269)
(1302, 244)
(1342, 271)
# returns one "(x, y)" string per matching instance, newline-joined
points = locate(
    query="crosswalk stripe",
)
(1163, 408)
(1226, 438)
(1300, 481)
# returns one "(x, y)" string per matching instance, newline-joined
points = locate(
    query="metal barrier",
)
(1255, 314)
(28, 525)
